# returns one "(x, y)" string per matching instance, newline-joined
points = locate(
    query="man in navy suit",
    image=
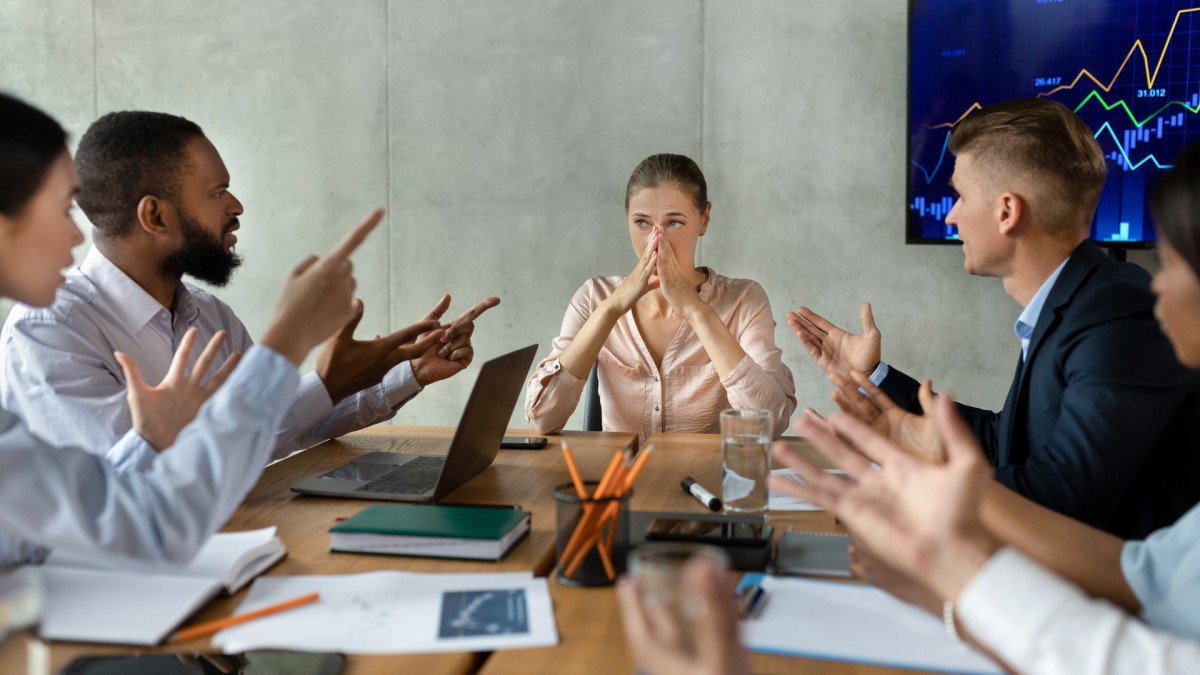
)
(1101, 423)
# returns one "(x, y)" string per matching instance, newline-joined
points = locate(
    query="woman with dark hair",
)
(1040, 591)
(673, 344)
(69, 499)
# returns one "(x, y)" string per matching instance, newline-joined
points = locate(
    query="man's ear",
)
(155, 216)
(1010, 210)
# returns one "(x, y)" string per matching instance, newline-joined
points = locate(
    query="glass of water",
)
(657, 567)
(746, 442)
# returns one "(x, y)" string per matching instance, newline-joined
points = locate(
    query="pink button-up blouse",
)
(685, 394)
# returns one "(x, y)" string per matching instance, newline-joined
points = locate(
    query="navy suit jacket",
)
(1102, 422)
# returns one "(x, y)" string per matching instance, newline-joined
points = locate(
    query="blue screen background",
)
(1125, 67)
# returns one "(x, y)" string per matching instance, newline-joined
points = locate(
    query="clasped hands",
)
(658, 268)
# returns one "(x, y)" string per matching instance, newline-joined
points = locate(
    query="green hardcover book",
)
(430, 530)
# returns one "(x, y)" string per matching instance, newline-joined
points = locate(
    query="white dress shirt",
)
(58, 372)
(71, 500)
(1037, 622)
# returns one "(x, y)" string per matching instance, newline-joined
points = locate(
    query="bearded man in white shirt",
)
(157, 192)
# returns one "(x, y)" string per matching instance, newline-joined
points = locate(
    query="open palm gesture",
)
(834, 349)
(161, 412)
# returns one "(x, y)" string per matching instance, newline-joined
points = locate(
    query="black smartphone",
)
(721, 533)
(523, 442)
(266, 662)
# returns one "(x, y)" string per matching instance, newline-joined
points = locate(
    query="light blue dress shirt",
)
(1033, 310)
(1023, 328)
(67, 499)
(1164, 572)
(58, 372)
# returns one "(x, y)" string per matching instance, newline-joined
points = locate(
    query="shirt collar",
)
(128, 300)
(1029, 316)
(706, 289)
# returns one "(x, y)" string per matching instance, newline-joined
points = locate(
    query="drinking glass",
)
(657, 569)
(746, 442)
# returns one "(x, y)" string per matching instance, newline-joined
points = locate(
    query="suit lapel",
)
(1009, 414)
(1079, 268)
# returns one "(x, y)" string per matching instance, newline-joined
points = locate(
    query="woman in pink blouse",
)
(675, 344)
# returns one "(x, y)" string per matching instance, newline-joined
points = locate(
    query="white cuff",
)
(996, 606)
(880, 373)
(400, 384)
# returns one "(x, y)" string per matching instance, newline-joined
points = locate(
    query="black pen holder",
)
(591, 538)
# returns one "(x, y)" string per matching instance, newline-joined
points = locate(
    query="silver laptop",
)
(405, 477)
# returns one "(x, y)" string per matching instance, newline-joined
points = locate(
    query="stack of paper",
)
(393, 612)
(141, 604)
(777, 501)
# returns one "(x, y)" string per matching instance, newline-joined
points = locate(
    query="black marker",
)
(697, 490)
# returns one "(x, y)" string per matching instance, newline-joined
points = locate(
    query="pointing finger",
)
(354, 238)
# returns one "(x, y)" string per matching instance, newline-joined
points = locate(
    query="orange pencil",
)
(642, 458)
(573, 469)
(594, 530)
(587, 518)
(581, 492)
(210, 627)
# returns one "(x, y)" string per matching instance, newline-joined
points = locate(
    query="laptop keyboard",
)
(419, 475)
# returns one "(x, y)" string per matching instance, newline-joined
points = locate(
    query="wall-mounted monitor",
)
(1124, 66)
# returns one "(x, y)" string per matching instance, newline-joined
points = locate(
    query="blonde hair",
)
(1045, 143)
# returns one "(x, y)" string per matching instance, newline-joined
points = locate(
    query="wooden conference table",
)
(590, 637)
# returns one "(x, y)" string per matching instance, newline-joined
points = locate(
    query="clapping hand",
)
(453, 351)
(834, 349)
(919, 518)
(161, 412)
(917, 434)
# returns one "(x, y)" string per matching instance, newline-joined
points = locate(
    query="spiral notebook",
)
(824, 554)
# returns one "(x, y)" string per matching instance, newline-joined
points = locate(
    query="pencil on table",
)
(210, 627)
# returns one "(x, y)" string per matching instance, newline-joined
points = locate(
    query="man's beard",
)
(202, 255)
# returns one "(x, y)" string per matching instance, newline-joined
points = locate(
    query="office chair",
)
(592, 419)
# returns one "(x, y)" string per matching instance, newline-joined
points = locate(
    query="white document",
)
(396, 612)
(856, 623)
(132, 608)
(780, 502)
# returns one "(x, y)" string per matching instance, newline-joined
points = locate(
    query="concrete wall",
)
(500, 136)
